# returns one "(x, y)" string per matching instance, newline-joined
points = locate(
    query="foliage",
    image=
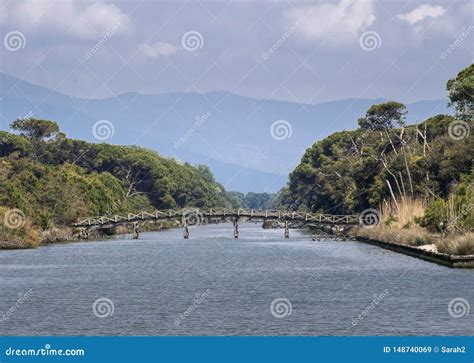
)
(234, 200)
(10, 143)
(459, 245)
(350, 171)
(35, 129)
(461, 93)
(455, 214)
(383, 116)
(21, 234)
(59, 180)
(260, 201)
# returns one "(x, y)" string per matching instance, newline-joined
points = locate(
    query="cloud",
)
(157, 50)
(100, 17)
(422, 12)
(80, 19)
(333, 21)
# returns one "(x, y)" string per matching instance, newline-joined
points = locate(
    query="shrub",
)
(460, 245)
(16, 231)
(454, 215)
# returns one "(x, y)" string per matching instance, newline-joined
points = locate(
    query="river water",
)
(213, 284)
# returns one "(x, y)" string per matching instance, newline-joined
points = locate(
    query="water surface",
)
(334, 288)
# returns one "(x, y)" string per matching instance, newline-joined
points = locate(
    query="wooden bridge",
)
(193, 216)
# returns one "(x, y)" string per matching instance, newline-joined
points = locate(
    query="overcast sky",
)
(297, 51)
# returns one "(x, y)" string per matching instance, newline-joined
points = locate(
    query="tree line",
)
(386, 160)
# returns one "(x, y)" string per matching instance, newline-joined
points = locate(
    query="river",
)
(213, 284)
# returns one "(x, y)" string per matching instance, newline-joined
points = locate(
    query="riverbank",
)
(453, 251)
(454, 261)
(64, 234)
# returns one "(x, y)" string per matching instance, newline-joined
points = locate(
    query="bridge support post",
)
(236, 229)
(287, 230)
(186, 232)
(135, 230)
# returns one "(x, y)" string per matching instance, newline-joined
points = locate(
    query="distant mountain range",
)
(231, 134)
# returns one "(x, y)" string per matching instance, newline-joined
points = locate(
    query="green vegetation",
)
(351, 171)
(252, 200)
(385, 162)
(54, 180)
(461, 93)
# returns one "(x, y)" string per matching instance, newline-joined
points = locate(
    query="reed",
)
(398, 223)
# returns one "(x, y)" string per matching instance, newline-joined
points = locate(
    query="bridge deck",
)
(190, 215)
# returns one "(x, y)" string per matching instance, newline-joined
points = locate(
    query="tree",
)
(461, 93)
(383, 116)
(10, 143)
(36, 130)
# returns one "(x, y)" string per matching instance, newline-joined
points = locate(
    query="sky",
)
(309, 52)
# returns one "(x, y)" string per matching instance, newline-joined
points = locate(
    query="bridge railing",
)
(175, 214)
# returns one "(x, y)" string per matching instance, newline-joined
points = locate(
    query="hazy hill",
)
(230, 133)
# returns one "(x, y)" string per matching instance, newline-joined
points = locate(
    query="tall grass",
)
(403, 213)
(398, 223)
(459, 245)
